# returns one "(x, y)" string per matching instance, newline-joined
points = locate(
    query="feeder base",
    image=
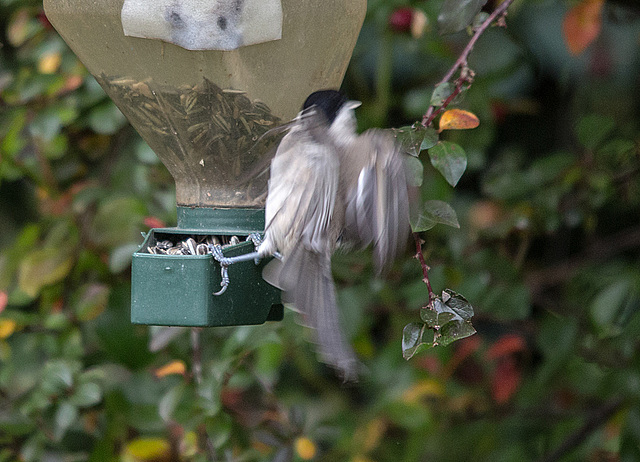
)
(177, 290)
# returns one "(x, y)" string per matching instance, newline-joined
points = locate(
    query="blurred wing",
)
(378, 203)
(302, 193)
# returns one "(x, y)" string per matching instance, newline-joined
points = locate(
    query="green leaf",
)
(430, 139)
(48, 123)
(119, 339)
(410, 138)
(608, 304)
(57, 376)
(90, 301)
(414, 171)
(66, 415)
(43, 267)
(437, 317)
(429, 317)
(441, 93)
(219, 429)
(630, 439)
(458, 304)
(455, 330)
(72, 347)
(621, 150)
(170, 401)
(106, 119)
(455, 15)
(432, 213)
(120, 258)
(118, 221)
(12, 140)
(86, 395)
(449, 317)
(593, 129)
(412, 339)
(145, 154)
(449, 159)
(11, 257)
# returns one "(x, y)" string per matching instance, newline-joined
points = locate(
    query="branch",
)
(466, 77)
(600, 250)
(425, 267)
(461, 62)
(597, 418)
(196, 353)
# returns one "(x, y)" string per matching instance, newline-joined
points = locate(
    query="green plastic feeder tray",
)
(177, 290)
(204, 94)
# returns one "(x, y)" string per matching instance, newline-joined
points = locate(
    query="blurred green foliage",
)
(548, 253)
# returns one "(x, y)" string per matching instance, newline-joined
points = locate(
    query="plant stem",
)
(425, 268)
(196, 352)
(461, 62)
(593, 422)
(426, 121)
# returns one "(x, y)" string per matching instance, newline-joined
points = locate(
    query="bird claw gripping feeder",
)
(202, 81)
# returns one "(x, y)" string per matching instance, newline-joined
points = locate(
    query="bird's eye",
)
(222, 22)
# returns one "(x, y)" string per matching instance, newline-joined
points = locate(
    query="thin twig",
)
(598, 418)
(196, 360)
(428, 118)
(540, 280)
(196, 352)
(461, 62)
(425, 267)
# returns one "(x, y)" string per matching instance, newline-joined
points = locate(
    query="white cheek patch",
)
(204, 24)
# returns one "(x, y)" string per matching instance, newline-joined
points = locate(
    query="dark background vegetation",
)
(548, 253)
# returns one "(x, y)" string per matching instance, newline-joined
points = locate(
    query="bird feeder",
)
(203, 81)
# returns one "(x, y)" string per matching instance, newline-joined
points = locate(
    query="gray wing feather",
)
(378, 203)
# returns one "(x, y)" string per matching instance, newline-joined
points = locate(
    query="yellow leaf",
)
(458, 119)
(43, 267)
(581, 25)
(49, 62)
(7, 327)
(148, 449)
(305, 448)
(18, 30)
(425, 388)
(189, 445)
(371, 434)
(174, 367)
(419, 23)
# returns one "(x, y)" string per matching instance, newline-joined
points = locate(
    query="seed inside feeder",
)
(209, 138)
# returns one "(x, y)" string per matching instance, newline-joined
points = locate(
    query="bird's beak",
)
(352, 104)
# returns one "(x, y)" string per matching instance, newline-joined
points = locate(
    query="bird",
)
(329, 189)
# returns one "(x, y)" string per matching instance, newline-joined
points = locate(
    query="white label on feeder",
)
(204, 24)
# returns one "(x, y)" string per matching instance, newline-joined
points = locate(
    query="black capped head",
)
(328, 101)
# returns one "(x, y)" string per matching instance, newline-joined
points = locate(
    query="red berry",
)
(44, 20)
(400, 19)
